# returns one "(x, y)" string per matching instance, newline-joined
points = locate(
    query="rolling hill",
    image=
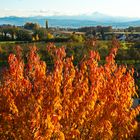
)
(75, 21)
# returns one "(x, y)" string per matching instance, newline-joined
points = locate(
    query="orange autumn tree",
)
(84, 102)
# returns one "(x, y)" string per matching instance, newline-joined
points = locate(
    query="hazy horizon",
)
(25, 8)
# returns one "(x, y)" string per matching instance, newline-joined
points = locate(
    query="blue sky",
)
(129, 8)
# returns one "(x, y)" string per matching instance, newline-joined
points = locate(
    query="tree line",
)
(27, 32)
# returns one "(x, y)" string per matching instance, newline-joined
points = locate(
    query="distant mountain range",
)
(75, 21)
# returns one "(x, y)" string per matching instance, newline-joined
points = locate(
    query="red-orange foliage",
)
(85, 103)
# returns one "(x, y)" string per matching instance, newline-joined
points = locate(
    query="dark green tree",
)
(23, 35)
(31, 26)
(5, 32)
(41, 32)
(47, 26)
(12, 32)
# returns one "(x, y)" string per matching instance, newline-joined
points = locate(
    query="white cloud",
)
(26, 13)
